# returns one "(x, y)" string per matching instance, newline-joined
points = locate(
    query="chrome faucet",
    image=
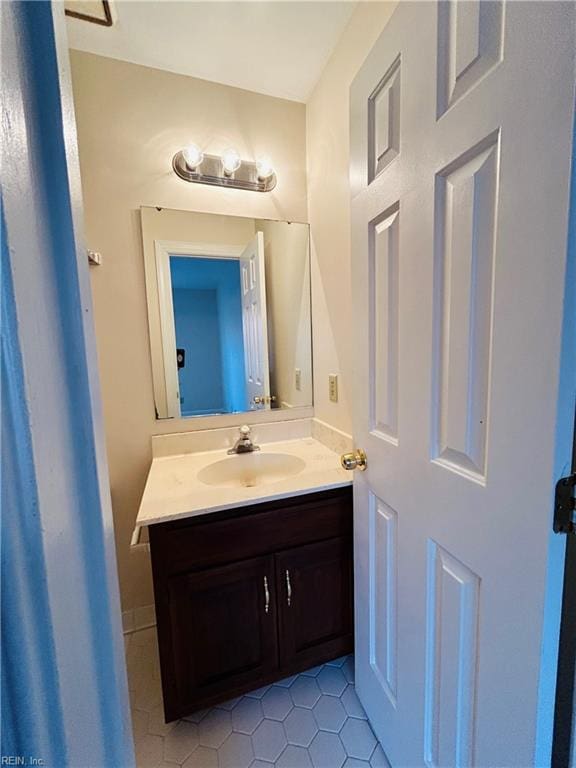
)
(244, 443)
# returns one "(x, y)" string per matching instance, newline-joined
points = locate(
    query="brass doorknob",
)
(355, 460)
(260, 400)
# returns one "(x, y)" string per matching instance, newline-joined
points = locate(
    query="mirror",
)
(228, 312)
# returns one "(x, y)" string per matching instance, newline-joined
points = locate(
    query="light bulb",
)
(264, 168)
(230, 161)
(193, 156)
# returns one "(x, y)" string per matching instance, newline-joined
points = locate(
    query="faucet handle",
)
(245, 430)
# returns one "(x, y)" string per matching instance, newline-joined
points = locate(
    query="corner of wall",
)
(327, 153)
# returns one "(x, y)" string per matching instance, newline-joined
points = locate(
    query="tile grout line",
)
(323, 700)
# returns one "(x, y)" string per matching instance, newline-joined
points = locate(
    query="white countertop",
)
(173, 490)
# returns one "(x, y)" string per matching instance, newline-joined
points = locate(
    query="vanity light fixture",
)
(231, 161)
(193, 156)
(226, 170)
(264, 168)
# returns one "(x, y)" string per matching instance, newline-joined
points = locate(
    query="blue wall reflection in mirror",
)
(208, 322)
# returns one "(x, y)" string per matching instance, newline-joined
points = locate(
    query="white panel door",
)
(255, 324)
(461, 123)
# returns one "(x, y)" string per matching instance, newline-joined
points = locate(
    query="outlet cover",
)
(298, 379)
(333, 387)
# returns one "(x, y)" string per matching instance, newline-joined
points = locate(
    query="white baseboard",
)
(138, 618)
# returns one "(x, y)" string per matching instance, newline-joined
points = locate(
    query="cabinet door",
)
(223, 623)
(314, 585)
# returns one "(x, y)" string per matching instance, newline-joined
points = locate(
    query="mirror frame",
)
(152, 277)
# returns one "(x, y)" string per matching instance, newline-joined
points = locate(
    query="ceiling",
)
(272, 47)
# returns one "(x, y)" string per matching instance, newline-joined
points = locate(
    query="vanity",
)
(252, 568)
(251, 552)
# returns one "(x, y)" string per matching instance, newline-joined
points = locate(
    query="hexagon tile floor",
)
(312, 720)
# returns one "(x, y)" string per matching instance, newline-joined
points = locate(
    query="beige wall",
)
(329, 211)
(131, 120)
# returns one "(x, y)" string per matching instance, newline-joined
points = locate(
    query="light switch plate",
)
(298, 379)
(333, 387)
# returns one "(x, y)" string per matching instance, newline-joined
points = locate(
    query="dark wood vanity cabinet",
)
(222, 634)
(251, 595)
(315, 601)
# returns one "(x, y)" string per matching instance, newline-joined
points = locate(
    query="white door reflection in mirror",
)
(255, 324)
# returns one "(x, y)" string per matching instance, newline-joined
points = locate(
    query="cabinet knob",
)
(266, 596)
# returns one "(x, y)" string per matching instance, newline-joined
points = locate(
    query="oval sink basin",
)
(251, 469)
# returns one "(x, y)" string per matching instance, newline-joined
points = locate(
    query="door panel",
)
(469, 46)
(223, 623)
(460, 149)
(465, 212)
(383, 595)
(314, 585)
(384, 121)
(451, 659)
(383, 319)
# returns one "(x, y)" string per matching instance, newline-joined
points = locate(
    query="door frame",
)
(564, 732)
(564, 712)
(64, 683)
(163, 249)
